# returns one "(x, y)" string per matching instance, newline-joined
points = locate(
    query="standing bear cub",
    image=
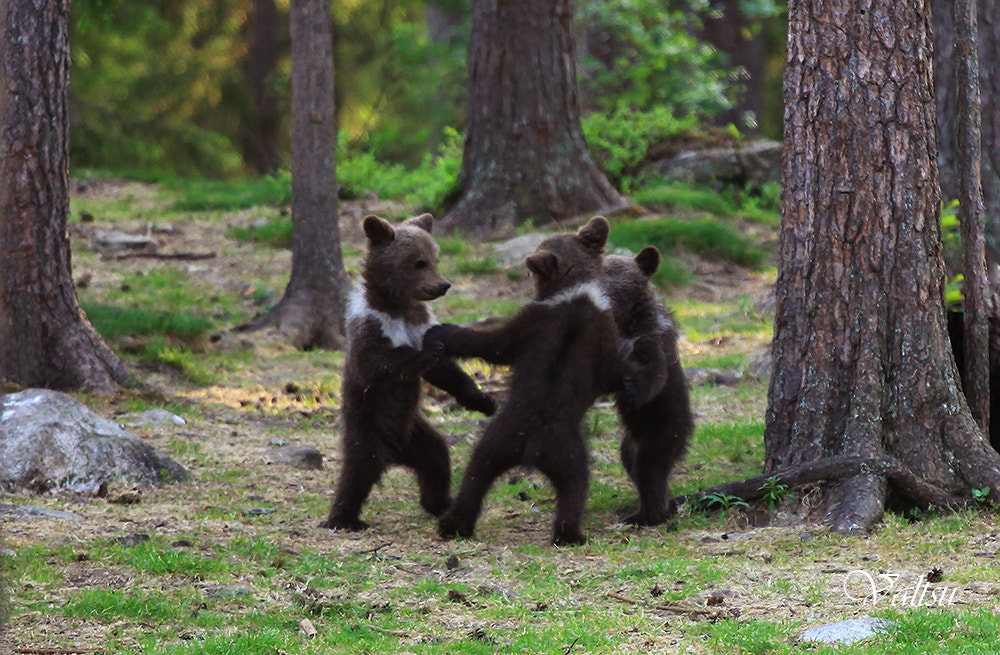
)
(386, 321)
(563, 353)
(656, 413)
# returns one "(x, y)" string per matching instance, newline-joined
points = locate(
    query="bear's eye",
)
(420, 265)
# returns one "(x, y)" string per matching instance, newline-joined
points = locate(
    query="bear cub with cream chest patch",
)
(563, 353)
(384, 368)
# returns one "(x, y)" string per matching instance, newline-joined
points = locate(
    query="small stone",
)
(132, 539)
(297, 456)
(847, 632)
(307, 628)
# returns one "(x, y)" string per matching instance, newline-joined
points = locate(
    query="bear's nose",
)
(443, 288)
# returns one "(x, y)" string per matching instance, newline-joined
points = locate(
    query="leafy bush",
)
(620, 139)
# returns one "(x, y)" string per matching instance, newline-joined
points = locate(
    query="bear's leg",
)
(565, 465)
(427, 454)
(651, 467)
(496, 452)
(361, 469)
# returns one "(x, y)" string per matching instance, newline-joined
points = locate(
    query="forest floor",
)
(234, 561)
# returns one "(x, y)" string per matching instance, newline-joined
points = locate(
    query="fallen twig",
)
(182, 256)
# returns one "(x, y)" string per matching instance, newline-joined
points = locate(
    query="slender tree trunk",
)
(44, 338)
(311, 313)
(731, 31)
(988, 40)
(260, 136)
(862, 367)
(525, 157)
(975, 288)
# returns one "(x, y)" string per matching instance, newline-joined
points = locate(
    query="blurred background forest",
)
(201, 88)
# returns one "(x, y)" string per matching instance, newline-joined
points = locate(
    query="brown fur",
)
(383, 369)
(563, 354)
(655, 412)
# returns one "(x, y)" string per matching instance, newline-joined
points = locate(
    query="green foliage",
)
(706, 237)
(620, 138)
(653, 60)
(424, 188)
(763, 206)
(775, 492)
(148, 87)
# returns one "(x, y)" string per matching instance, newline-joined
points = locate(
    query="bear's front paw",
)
(483, 403)
(568, 536)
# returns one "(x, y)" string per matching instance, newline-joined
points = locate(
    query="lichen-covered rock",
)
(49, 442)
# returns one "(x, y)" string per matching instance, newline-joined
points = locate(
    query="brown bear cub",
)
(386, 321)
(655, 413)
(562, 348)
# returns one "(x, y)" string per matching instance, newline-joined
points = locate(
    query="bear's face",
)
(566, 261)
(626, 282)
(402, 261)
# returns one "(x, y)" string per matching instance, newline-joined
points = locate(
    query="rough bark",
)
(525, 156)
(44, 338)
(861, 362)
(311, 312)
(975, 288)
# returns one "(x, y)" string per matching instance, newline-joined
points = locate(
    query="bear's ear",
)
(648, 260)
(425, 222)
(378, 230)
(543, 264)
(595, 234)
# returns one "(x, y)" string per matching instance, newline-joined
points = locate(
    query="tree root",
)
(853, 513)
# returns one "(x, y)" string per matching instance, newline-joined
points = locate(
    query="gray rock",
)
(296, 455)
(752, 164)
(112, 241)
(847, 632)
(158, 416)
(52, 442)
(512, 252)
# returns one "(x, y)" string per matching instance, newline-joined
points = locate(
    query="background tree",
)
(525, 156)
(988, 40)
(863, 375)
(44, 338)
(311, 312)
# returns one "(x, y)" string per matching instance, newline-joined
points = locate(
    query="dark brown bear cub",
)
(563, 353)
(386, 322)
(656, 413)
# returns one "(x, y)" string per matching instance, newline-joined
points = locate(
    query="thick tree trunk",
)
(311, 313)
(44, 338)
(861, 362)
(525, 157)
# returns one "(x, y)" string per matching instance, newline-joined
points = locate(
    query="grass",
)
(215, 578)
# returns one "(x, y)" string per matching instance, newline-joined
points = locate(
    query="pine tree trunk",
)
(45, 340)
(862, 366)
(311, 313)
(525, 156)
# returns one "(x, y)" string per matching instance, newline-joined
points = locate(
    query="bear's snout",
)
(432, 291)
